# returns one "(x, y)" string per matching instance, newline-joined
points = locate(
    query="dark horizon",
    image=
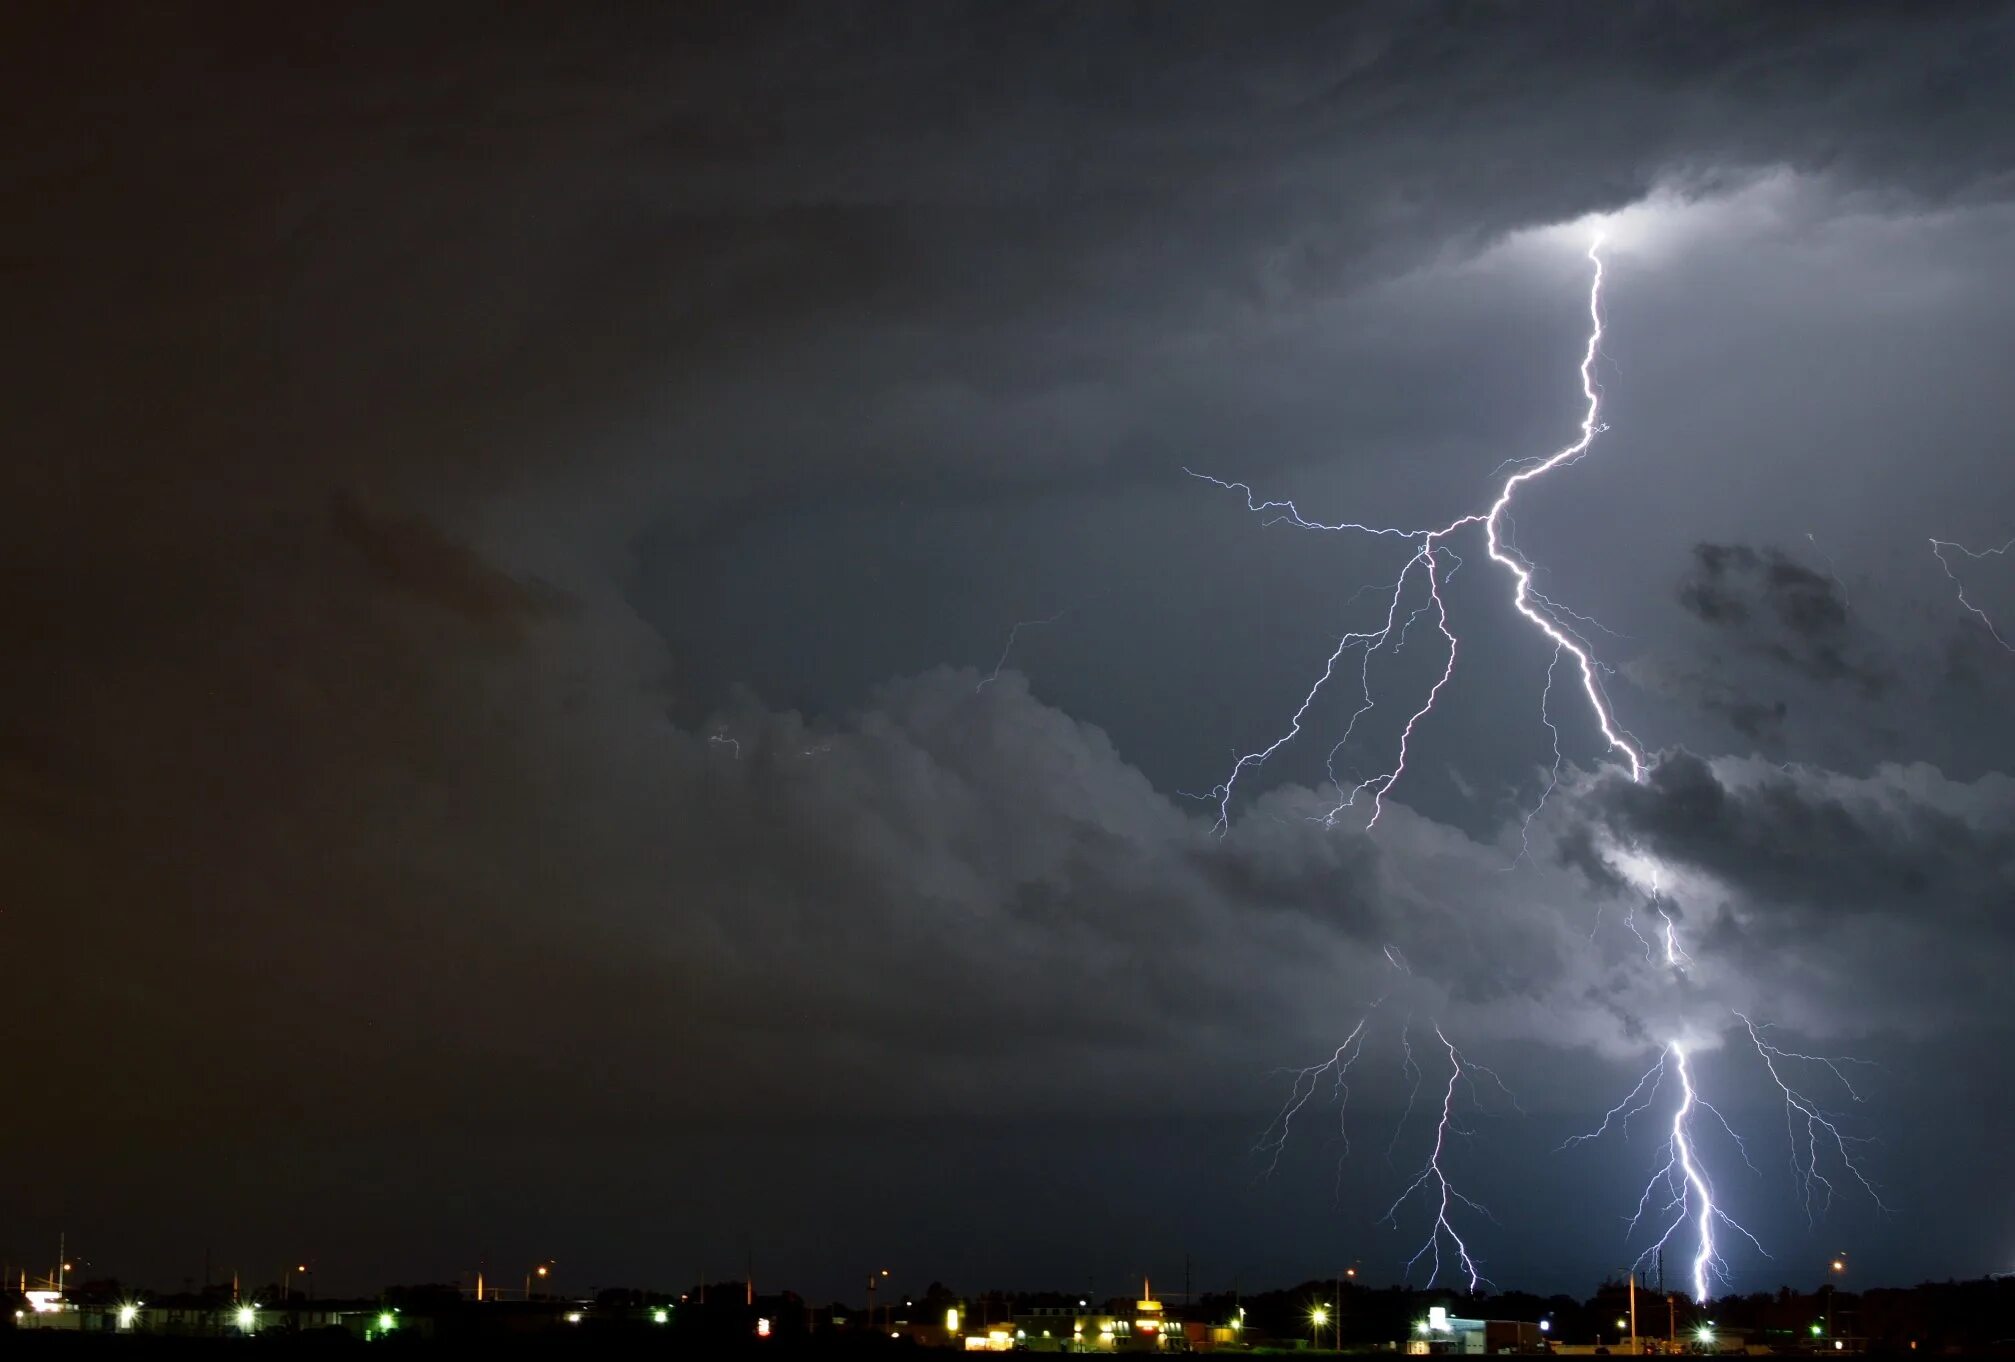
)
(1881, 1319)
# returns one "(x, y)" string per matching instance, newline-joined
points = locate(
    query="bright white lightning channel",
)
(1679, 1194)
(1429, 552)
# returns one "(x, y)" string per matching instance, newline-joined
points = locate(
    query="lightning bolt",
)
(1938, 547)
(1007, 648)
(1429, 552)
(1553, 776)
(1407, 1069)
(1810, 1128)
(1678, 1199)
(1306, 1084)
(1439, 1192)
(1679, 1193)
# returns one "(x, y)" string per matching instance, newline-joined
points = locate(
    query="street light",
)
(875, 1279)
(1316, 1319)
(1839, 1266)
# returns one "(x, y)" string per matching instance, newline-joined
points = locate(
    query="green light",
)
(386, 1322)
(661, 1316)
(1815, 1331)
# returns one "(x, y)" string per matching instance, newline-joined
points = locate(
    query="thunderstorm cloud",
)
(508, 516)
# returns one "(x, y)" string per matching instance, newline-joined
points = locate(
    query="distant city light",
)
(573, 1317)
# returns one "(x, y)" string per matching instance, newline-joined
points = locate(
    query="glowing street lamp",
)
(1316, 1319)
(875, 1279)
(1839, 1269)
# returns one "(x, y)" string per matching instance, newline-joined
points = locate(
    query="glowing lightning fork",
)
(1688, 1194)
(1428, 544)
(1938, 547)
(1433, 1179)
(1522, 596)
(1306, 1083)
(1820, 1127)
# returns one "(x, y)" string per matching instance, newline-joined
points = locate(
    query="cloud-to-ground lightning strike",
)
(1431, 1182)
(1678, 1198)
(1938, 547)
(1679, 1192)
(1440, 1193)
(1429, 549)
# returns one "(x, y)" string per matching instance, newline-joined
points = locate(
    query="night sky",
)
(509, 512)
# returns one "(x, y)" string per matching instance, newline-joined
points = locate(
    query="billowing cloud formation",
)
(1863, 901)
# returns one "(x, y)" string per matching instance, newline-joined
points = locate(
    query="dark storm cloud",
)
(1901, 876)
(1766, 605)
(354, 353)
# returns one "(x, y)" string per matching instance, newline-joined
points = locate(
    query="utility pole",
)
(1635, 1346)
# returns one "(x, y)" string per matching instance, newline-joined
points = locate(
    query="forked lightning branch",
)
(1679, 1203)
